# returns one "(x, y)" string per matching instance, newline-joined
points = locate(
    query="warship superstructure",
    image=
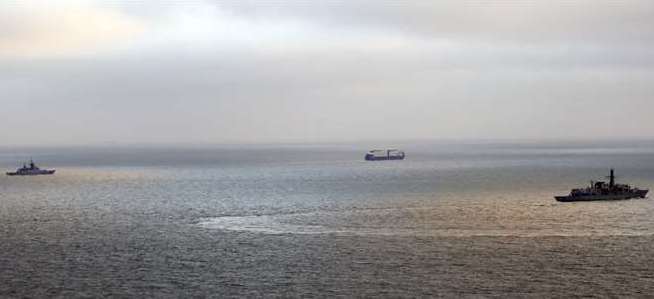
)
(604, 191)
(31, 170)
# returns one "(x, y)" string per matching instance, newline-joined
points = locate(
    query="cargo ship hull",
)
(372, 158)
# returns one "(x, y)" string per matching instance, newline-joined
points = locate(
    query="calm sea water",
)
(454, 219)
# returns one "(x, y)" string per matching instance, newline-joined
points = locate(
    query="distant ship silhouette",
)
(382, 155)
(604, 191)
(31, 170)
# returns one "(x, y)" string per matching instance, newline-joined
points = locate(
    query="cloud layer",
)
(277, 71)
(44, 30)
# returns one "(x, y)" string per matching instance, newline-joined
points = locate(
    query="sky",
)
(267, 71)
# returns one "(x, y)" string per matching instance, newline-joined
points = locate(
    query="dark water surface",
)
(454, 219)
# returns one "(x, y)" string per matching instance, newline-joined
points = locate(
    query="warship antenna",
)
(612, 178)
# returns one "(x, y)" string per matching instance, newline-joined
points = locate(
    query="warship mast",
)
(612, 179)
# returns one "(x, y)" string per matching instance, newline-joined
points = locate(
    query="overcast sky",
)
(201, 71)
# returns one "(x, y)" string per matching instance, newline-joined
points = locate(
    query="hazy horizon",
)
(274, 72)
(362, 144)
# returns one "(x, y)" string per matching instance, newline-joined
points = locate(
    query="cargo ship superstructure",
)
(383, 155)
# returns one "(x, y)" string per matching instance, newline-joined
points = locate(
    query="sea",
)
(454, 219)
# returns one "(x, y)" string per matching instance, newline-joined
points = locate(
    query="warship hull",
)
(630, 195)
(27, 173)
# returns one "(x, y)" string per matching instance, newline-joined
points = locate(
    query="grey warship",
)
(31, 170)
(604, 191)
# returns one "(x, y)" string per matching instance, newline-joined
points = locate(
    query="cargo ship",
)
(31, 170)
(383, 155)
(604, 191)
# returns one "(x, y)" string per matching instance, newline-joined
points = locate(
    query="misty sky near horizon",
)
(202, 71)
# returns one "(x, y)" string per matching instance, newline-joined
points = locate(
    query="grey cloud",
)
(485, 80)
(594, 21)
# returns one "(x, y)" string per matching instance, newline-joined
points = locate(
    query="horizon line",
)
(389, 141)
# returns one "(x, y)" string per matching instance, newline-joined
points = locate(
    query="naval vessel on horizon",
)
(604, 191)
(31, 170)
